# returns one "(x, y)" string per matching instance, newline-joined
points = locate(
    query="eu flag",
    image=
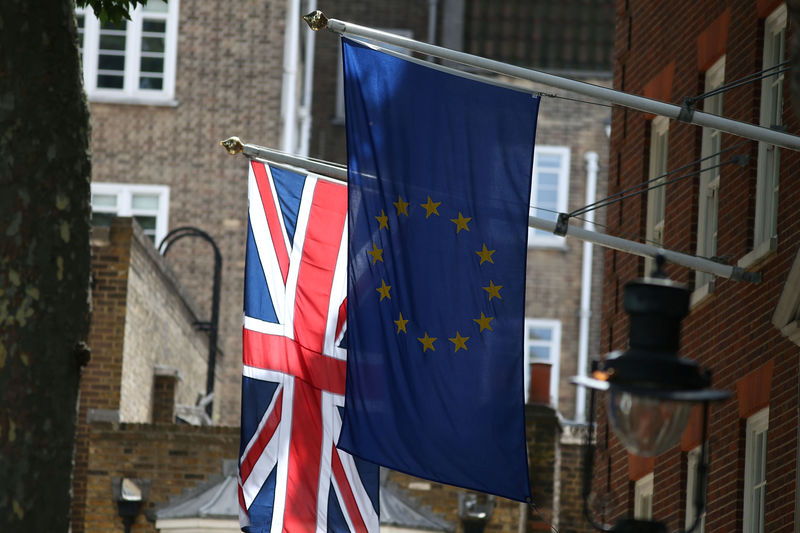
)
(439, 175)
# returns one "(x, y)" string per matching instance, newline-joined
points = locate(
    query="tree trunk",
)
(44, 260)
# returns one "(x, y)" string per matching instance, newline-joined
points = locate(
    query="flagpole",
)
(339, 173)
(317, 21)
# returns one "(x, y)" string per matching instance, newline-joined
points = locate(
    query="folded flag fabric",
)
(439, 170)
(291, 476)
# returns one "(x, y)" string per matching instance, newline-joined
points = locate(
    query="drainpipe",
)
(291, 44)
(586, 286)
(308, 88)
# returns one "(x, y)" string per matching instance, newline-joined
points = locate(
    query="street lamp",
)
(650, 389)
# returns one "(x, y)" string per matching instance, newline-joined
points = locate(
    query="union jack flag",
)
(292, 478)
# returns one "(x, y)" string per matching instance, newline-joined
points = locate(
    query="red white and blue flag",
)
(292, 478)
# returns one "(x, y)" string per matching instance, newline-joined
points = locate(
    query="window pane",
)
(104, 200)
(147, 223)
(151, 82)
(548, 179)
(535, 333)
(144, 201)
(112, 42)
(547, 198)
(156, 6)
(152, 44)
(102, 219)
(111, 62)
(539, 353)
(110, 82)
(152, 64)
(548, 160)
(114, 26)
(154, 26)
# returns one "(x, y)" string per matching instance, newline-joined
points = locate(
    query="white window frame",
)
(643, 498)
(124, 193)
(768, 169)
(338, 111)
(692, 462)
(656, 197)
(130, 93)
(554, 345)
(708, 205)
(755, 479)
(539, 238)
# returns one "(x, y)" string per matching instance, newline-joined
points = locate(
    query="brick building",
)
(740, 212)
(165, 87)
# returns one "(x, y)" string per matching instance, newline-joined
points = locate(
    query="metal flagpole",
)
(317, 21)
(339, 173)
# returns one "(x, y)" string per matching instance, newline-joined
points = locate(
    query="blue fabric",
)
(450, 409)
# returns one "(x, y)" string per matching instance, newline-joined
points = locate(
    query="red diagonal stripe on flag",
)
(263, 439)
(346, 492)
(271, 212)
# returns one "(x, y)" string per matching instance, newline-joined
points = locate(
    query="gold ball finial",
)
(233, 145)
(316, 20)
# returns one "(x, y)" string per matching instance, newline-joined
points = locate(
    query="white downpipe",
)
(291, 45)
(308, 88)
(586, 286)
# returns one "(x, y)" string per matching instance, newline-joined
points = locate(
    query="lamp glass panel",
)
(647, 426)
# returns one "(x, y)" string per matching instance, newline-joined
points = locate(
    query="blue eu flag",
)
(439, 173)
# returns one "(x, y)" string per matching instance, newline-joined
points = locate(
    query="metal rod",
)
(647, 105)
(339, 173)
(734, 273)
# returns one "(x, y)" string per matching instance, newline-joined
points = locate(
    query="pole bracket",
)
(316, 20)
(687, 109)
(562, 225)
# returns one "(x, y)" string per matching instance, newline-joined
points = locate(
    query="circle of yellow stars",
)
(461, 222)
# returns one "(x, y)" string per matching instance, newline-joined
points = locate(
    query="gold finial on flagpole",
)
(316, 20)
(233, 145)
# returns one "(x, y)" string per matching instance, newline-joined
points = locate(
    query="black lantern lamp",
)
(651, 390)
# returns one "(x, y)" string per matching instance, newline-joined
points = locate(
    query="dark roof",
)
(396, 511)
(562, 35)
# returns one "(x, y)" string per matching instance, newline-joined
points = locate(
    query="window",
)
(656, 196)
(755, 468)
(766, 222)
(543, 345)
(132, 61)
(148, 204)
(692, 461)
(643, 498)
(338, 113)
(707, 215)
(549, 192)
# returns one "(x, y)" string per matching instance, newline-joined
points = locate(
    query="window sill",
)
(701, 294)
(759, 253)
(132, 100)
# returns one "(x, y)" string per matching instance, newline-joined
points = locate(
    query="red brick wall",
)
(731, 331)
(173, 458)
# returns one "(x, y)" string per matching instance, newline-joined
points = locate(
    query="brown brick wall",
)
(159, 331)
(731, 332)
(228, 82)
(173, 458)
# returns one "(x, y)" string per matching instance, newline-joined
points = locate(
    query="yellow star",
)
(383, 220)
(460, 222)
(402, 207)
(484, 321)
(384, 290)
(427, 342)
(430, 207)
(459, 341)
(493, 290)
(401, 324)
(376, 253)
(485, 255)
